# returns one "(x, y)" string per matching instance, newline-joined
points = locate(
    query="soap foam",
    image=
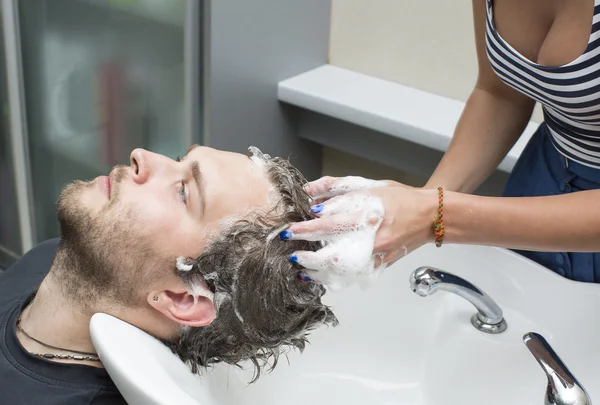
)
(258, 157)
(348, 184)
(182, 265)
(261, 160)
(201, 290)
(347, 257)
(197, 288)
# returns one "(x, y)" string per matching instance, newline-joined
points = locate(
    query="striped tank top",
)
(569, 94)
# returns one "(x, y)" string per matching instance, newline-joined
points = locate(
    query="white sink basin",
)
(394, 347)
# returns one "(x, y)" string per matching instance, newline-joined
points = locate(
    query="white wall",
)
(421, 43)
(425, 44)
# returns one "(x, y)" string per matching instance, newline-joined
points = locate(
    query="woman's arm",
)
(562, 223)
(492, 121)
(494, 118)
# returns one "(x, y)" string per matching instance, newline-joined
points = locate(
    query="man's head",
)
(235, 295)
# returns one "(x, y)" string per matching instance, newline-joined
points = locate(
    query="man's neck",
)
(55, 320)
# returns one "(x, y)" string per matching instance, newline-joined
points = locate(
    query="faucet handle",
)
(563, 388)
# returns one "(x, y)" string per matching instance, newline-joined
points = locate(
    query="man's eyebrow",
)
(199, 180)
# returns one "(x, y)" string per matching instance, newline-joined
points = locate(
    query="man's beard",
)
(91, 264)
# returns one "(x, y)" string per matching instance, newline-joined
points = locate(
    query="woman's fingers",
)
(328, 187)
(323, 229)
(322, 260)
(391, 257)
(338, 205)
(378, 261)
(319, 189)
(349, 213)
(328, 266)
(330, 260)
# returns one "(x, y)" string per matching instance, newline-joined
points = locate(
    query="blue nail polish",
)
(304, 277)
(316, 208)
(285, 235)
(294, 259)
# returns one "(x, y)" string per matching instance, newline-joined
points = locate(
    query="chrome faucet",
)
(425, 281)
(563, 388)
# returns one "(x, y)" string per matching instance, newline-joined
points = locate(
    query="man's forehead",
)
(202, 150)
(253, 155)
(191, 148)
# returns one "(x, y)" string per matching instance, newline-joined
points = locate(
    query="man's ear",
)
(184, 307)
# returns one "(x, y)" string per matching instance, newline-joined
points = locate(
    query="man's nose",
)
(140, 163)
(145, 165)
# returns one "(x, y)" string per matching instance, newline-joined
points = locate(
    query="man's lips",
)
(104, 182)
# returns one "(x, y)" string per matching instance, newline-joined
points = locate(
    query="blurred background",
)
(93, 79)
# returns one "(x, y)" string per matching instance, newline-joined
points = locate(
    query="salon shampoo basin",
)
(144, 370)
(392, 346)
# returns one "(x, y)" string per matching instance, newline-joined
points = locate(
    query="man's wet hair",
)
(262, 307)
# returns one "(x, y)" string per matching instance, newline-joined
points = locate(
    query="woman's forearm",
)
(489, 126)
(562, 223)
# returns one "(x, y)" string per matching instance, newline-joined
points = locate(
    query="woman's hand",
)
(345, 205)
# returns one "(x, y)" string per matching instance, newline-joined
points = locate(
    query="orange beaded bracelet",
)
(438, 222)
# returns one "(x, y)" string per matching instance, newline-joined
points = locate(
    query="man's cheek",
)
(161, 220)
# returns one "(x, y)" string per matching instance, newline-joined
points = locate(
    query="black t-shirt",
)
(29, 380)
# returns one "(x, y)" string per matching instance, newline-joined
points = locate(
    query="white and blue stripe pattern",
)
(569, 94)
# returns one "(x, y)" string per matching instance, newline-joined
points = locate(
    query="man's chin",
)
(72, 189)
(73, 214)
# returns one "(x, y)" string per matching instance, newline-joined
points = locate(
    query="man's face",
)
(156, 210)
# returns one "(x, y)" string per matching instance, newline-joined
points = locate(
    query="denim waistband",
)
(565, 169)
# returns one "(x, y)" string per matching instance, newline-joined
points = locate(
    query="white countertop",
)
(400, 111)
